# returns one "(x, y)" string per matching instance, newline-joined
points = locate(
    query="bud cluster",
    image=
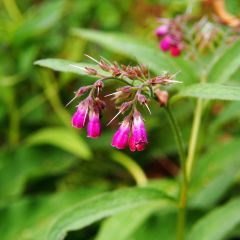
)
(132, 131)
(170, 34)
(179, 33)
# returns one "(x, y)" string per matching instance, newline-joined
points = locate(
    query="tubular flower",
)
(166, 43)
(94, 125)
(120, 138)
(138, 139)
(80, 116)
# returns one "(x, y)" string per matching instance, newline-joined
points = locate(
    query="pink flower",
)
(94, 125)
(80, 116)
(138, 139)
(165, 43)
(120, 138)
(175, 51)
(161, 31)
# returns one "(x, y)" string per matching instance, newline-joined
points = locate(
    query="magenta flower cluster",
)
(171, 37)
(132, 131)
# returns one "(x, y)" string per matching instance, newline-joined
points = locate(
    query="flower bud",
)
(116, 71)
(142, 99)
(82, 90)
(162, 97)
(104, 66)
(125, 106)
(99, 84)
(162, 30)
(90, 71)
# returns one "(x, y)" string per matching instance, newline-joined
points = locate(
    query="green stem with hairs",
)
(184, 182)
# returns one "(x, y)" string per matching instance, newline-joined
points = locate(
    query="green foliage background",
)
(54, 180)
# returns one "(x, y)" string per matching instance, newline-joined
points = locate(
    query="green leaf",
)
(226, 65)
(102, 206)
(117, 223)
(228, 114)
(136, 217)
(63, 65)
(30, 218)
(218, 223)
(214, 173)
(212, 91)
(140, 50)
(63, 138)
(22, 164)
(38, 20)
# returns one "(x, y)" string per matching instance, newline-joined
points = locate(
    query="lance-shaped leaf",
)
(102, 206)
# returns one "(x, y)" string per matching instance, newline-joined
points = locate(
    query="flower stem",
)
(193, 138)
(184, 182)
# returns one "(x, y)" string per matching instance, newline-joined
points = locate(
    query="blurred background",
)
(45, 165)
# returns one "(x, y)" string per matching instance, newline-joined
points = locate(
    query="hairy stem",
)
(183, 182)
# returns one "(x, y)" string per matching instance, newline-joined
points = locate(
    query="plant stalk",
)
(193, 139)
(184, 182)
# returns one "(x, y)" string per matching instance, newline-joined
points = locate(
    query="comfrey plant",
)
(139, 89)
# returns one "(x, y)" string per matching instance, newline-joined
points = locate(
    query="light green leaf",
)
(212, 91)
(226, 65)
(102, 206)
(218, 223)
(63, 65)
(63, 138)
(214, 173)
(140, 50)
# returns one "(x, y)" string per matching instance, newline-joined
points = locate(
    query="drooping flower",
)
(138, 139)
(94, 125)
(175, 51)
(80, 116)
(165, 43)
(120, 138)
